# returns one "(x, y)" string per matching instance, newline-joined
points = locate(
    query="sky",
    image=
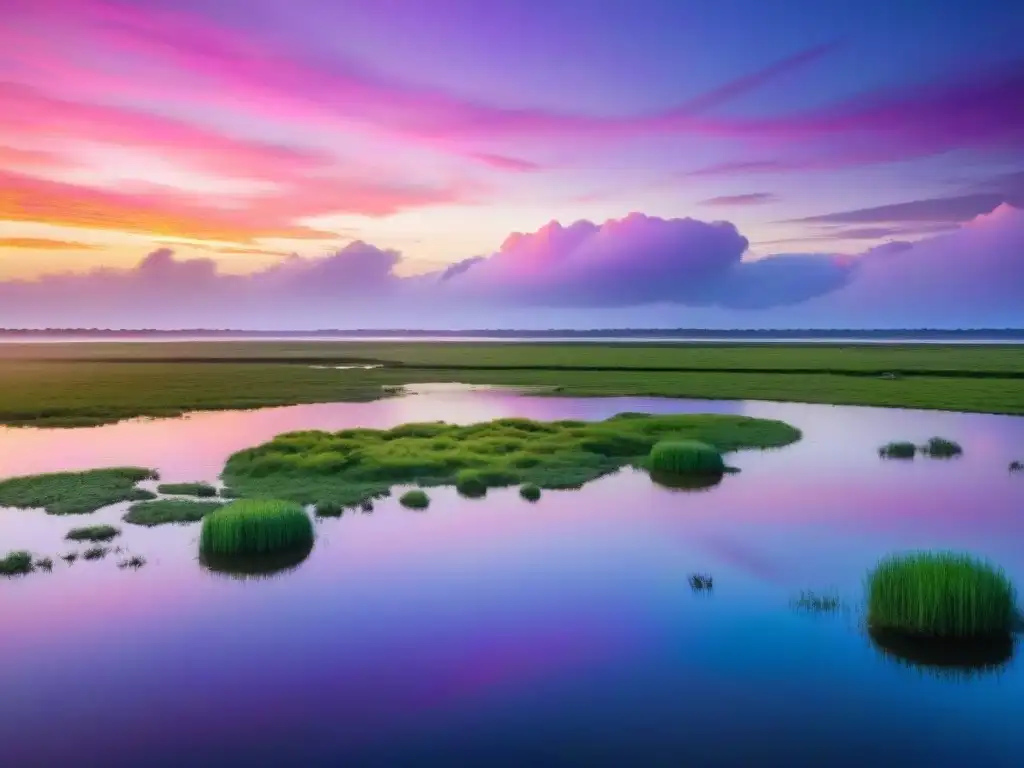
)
(305, 164)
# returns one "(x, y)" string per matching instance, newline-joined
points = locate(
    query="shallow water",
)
(558, 633)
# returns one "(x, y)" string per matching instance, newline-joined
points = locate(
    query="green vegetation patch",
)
(360, 464)
(415, 499)
(900, 449)
(471, 484)
(93, 533)
(76, 493)
(44, 564)
(16, 563)
(942, 595)
(530, 491)
(165, 511)
(256, 526)
(685, 457)
(204, 490)
(329, 509)
(95, 553)
(941, 448)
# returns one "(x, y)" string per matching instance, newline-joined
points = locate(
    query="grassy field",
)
(80, 384)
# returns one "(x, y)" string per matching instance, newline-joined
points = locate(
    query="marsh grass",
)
(256, 526)
(354, 465)
(415, 499)
(203, 490)
(76, 493)
(16, 563)
(701, 582)
(167, 511)
(95, 553)
(134, 562)
(44, 564)
(940, 595)
(530, 492)
(685, 457)
(901, 449)
(951, 658)
(470, 484)
(817, 602)
(69, 557)
(93, 533)
(366, 505)
(329, 509)
(941, 448)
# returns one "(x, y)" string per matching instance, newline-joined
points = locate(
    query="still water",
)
(499, 632)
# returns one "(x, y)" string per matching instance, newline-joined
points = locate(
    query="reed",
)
(95, 553)
(685, 457)
(93, 533)
(701, 582)
(941, 448)
(168, 511)
(816, 602)
(415, 499)
(44, 564)
(941, 595)
(203, 490)
(256, 526)
(16, 563)
(69, 557)
(134, 562)
(530, 492)
(901, 449)
(76, 493)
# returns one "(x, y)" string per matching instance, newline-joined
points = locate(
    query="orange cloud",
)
(45, 244)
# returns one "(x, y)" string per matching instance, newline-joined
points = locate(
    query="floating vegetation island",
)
(166, 511)
(76, 493)
(354, 465)
(16, 563)
(93, 533)
(415, 499)
(936, 447)
(204, 490)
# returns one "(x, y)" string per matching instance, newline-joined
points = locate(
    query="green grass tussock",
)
(940, 595)
(69, 557)
(901, 449)
(329, 509)
(530, 492)
(941, 448)
(701, 582)
(95, 553)
(470, 484)
(167, 511)
(134, 562)
(16, 563)
(203, 490)
(44, 564)
(256, 526)
(351, 466)
(415, 499)
(76, 493)
(685, 457)
(93, 533)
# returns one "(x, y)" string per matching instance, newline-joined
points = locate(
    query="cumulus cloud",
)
(583, 274)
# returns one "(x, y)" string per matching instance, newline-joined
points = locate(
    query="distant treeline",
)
(909, 334)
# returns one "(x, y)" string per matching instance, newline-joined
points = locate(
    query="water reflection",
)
(675, 482)
(255, 567)
(946, 658)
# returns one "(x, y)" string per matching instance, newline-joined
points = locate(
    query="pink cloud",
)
(973, 275)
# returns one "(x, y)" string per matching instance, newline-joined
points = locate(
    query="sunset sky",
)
(529, 163)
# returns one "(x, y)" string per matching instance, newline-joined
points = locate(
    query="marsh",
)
(568, 624)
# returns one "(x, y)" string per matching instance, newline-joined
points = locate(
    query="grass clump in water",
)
(415, 499)
(44, 564)
(203, 490)
(95, 553)
(530, 492)
(359, 464)
(93, 533)
(940, 595)
(16, 563)
(1016, 466)
(329, 509)
(256, 526)
(134, 562)
(76, 493)
(701, 582)
(470, 484)
(941, 448)
(901, 449)
(165, 511)
(817, 602)
(69, 558)
(685, 457)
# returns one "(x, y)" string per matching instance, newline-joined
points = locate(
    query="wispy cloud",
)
(44, 244)
(751, 198)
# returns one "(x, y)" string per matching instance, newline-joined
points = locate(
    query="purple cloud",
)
(973, 275)
(938, 209)
(752, 198)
